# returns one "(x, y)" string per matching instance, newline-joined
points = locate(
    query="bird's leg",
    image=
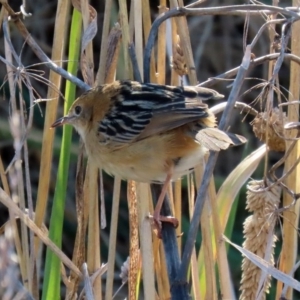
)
(157, 217)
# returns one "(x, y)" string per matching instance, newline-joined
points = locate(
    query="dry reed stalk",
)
(110, 45)
(220, 247)
(147, 26)
(259, 237)
(158, 265)
(101, 74)
(89, 17)
(113, 238)
(91, 180)
(125, 37)
(138, 34)
(207, 245)
(194, 259)
(131, 21)
(290, 245)
(145, 231)
(209, 261)
(165, 293)
(198, 271)
(138, 202)
(58, 50)
(93, 240)
(134, 262)
(113, 46)
(113, 49)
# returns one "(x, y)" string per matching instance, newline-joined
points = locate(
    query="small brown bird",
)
(147, 132)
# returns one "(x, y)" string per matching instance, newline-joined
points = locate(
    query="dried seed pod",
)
(125, 270)
(178, 61)
(258, 229)
(270, 128)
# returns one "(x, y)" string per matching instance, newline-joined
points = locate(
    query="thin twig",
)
(256, 62)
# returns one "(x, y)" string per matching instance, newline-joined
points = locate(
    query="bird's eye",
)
(77, 110)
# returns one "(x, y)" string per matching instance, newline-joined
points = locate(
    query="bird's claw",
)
(156, 223)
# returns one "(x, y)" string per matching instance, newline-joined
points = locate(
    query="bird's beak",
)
(61, 121)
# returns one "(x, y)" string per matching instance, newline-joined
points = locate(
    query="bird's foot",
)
(156, 223)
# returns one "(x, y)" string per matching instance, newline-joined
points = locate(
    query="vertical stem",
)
(291, 216)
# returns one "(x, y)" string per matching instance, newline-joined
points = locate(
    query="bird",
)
(148, 132)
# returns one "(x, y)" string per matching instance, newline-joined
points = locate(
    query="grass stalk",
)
(50, 116)
(290, 245)
(51, 285)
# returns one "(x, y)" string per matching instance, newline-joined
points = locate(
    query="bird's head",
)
(79, 116)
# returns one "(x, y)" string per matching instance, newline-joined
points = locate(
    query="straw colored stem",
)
(143, 194)
(211, 285)
(113, 49)
(93, 250)
(134, 263)
(194, 264)
(112, 239)
(104, 43)
(87, 56)
(50, 116)
(291, 216)
(146, 11)
(223, 267)
(125, 36)
(138, 33)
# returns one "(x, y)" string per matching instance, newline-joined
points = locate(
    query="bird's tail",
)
(216, 139)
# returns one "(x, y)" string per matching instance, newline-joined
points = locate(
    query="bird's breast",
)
(150, 159)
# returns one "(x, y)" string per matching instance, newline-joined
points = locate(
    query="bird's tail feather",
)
(216, 139)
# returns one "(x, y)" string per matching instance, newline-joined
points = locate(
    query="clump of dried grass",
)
(259, 237)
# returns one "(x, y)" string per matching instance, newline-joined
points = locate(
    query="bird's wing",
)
(141, 110)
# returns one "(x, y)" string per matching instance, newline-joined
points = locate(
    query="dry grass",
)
(250, 53)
